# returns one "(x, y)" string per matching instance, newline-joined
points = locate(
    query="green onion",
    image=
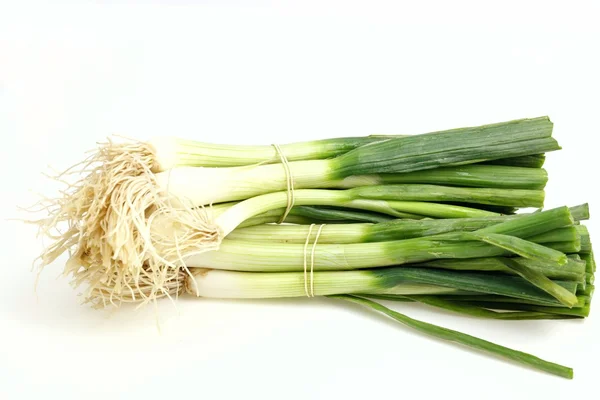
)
(127, 212)
(414, 192)
(168, 152)
(404, 281)
(230, 218)
(364, 232)
(437, 214)
(250, 285)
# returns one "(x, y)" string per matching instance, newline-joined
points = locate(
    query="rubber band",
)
(290, 182)
(310, 279)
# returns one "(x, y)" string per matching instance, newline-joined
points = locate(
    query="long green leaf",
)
(538, 279)
(523, 247)
(464, 339)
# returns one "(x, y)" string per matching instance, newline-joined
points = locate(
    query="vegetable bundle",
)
(429, 218)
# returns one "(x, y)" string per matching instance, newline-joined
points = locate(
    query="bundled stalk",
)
(427, 218)
(140, 199)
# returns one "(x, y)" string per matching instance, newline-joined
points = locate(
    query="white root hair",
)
(125, 238)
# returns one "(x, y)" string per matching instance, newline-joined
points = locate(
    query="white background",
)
(264, 72)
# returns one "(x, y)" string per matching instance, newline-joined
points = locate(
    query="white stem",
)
(248, 285)
(170, 152)
(230, 219)
(334, 233)
(203, 186)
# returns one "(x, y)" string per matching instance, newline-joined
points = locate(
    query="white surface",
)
(254, 72)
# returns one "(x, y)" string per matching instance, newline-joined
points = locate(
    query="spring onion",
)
(111, 213)
(433, 219)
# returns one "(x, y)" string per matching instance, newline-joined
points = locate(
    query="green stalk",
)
(306, 215)
(578, 312)
(459, 146)
(329, 215)
(566, 234)
(532, 224)
(522, 247)
(586, 244)
(541, 281)
(574, 270)
(464, 339)
(565, 247)
(580, 212)
(473, 175)
(500, 300)
(416, 192)
(255, 230)
(588, 290)
(590, 262)
(532, 161)
(491, 284)
(481, 312)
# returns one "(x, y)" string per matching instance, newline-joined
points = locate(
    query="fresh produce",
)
(431, 218)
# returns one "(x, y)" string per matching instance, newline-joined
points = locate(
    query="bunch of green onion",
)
(429, 218)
